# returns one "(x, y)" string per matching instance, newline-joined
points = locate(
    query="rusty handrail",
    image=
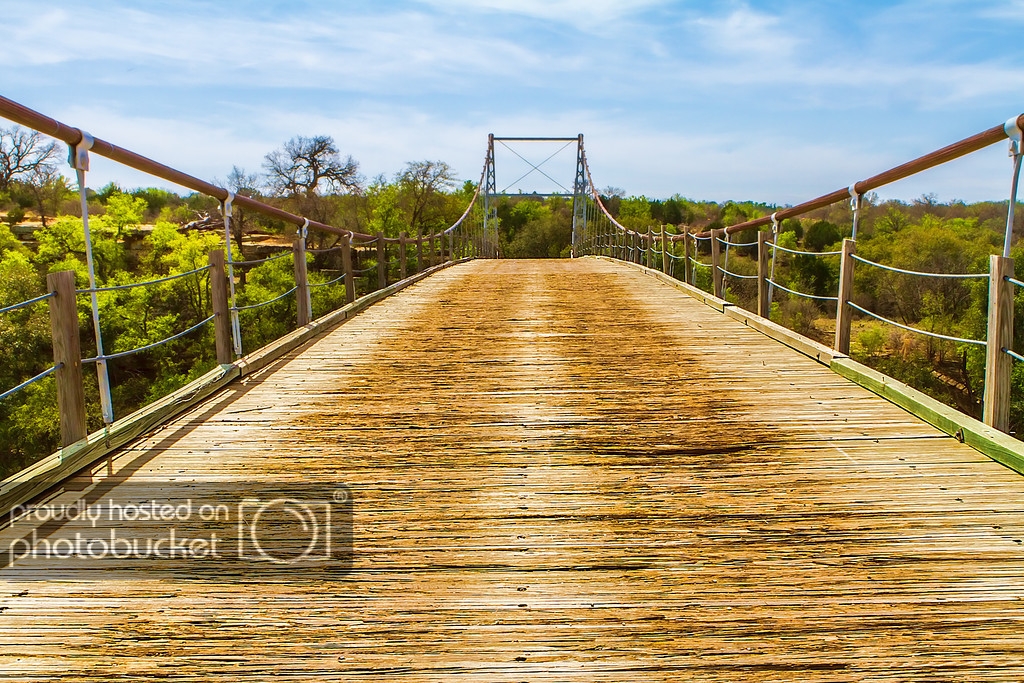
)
(936, 158)
(44, 124)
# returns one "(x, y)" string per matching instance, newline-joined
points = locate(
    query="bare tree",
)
(422, 181)
(47, 188)
(246, 185)
(24, 153)
(309, 167)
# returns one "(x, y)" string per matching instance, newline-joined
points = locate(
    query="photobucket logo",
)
(91, 547)
(288, 530)
(282, 527)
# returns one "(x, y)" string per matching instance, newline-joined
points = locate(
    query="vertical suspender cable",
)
(236, 329)
(771, 276)
(855, 198)
(1015, 135)
(725, 268)
(79, 160)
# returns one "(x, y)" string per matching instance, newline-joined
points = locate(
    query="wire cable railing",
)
(26, 304)
(265, 303)
(737, 275)
(261, 261)
(147, 347)
(133, 285)
(936, 335)
(893, 269)
(805, 295)
(29, 382)
(329, 282)
(798, 252)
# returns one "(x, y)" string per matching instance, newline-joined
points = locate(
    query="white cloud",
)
(746, 32)
(353, 52)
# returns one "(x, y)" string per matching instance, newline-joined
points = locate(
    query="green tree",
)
(821, 235)
(124, 211)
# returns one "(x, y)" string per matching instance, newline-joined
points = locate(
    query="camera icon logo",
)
(288, 530)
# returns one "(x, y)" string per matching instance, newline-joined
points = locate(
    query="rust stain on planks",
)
(563, 471)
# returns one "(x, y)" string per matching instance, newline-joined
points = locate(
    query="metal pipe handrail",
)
(922, 163)
(72, 136)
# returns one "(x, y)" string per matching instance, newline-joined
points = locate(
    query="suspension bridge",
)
(567, 469)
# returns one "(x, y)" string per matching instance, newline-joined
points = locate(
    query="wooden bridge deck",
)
(566, 471)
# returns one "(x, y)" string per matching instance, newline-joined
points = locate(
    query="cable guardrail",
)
(799, 252)
(1013, 281)
(265, 303)
(737, 275)
(893, 269)
(27, 303)
(927, 333)
(29, 382)
(330, 282)
(805, 295)
(147, 347)
(1013, 354)
(260, 261)
(133, 285)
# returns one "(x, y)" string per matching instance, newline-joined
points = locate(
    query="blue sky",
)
(770, 101)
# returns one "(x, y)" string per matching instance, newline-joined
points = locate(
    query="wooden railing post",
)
(67, 356)
(998, 365)
(402, 260)
(665, 258)
(764, 304)
(419, 250)
(303, 303)
(433, 251)
(844, 314)
(687, 266)
(382, 262)
(221, 310)
(346, 264)
(716, 268)
(451, 248)
(650, 248)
